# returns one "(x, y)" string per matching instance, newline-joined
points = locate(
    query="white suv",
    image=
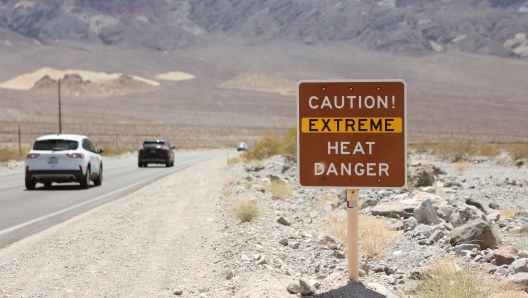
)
(63, 158)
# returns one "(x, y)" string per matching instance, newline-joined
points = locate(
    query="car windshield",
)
(153, 143)
(55, 145)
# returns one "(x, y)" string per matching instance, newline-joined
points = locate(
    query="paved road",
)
(23, 213)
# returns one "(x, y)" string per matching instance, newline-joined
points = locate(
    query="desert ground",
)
(236, 92)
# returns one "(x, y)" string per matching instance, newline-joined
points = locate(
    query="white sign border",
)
(353, 81)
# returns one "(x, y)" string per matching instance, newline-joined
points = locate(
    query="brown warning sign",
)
(352, 134)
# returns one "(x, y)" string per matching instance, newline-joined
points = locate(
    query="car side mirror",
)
(99, 151)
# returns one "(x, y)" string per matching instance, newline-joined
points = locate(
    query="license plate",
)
(153, 151)
(53, 160)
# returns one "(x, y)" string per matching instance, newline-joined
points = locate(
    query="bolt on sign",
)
(352, 134)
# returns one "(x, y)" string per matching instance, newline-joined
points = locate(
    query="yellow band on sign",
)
(352, 125)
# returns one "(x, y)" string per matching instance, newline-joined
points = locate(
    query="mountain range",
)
(414, 27)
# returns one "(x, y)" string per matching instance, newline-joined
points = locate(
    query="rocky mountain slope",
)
(404, 26)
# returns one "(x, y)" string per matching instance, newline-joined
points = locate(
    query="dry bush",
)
(462, 165)
(226, 191)
(452, 151)
(331, 198)
(273, 144)
(247, 211)
(486, 150)
(231, 179)
(337, 226)
(281, 190)
(510, 213)
(517, 151)
(449, 280)
(248, 184)
(7, 154)
(234, 160)
(375, 238)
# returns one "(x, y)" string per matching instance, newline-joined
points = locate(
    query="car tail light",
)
(32, 155)
(80, 168)
(27, 168)
(75, 155)
(142, 149)
(165, 149)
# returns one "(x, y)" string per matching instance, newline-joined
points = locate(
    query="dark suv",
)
(155, 151)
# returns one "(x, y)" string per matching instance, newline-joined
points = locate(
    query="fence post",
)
(19, 142)
(117, 141)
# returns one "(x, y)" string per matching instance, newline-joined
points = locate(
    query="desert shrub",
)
(234, 160)
(375, 238)
(7, 154)
(281, 190)
(273, 144)
(510, 213)
(231, 179)
(247, 211)
(462, 165)
(337, 226)
(226, 191)
(517, 151)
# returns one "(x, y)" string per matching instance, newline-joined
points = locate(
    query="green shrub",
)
(247, 211)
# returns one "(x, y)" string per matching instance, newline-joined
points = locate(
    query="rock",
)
(284, 241)
(382, 290)
(437, 235)
(263, 261)
(494, 206)
(295, 245)
(377, 268)
(445, 211)
(284, 221)
(425, 213)
(423, 175)
(178, 291)
(229, 275)
(331, 242)
(505, 255)
(474, 252)
(465, 214)
(410, 224)
(519, 278)
(474, 232)
(339, 254)
(494, 216)
(361, 273)
(300, 287)
(522, 254)
(369, 203)
(520, 265)
(245, 259)
(393, 209)
(363, 265)
(477, 204)
(277, 179)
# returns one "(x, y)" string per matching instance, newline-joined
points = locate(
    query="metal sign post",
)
(352, 135)
(352, 232)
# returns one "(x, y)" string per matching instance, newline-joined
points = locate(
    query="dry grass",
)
(234, 160)
(510, 213)
(7, 154)
(449, 280)
(247, 211)
(112, 150)
(462, 165)
(226, 191)
(337, 226)
(375, 238)
(281, 190)
(456, 151)
(331, 198)
(231, 179)
(273, 144)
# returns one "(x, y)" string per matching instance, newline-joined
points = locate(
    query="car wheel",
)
(140, 164)
(47, 184)
(99, 179)
(85, 183)
(168, 164)
(30, 185)
(172, 163)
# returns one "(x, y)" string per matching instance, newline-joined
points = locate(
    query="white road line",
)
(77, 206)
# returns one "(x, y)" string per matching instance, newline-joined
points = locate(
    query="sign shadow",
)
(351, 290)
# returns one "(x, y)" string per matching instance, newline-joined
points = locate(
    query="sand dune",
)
(256, 81)
(28, 80)
(175, 76)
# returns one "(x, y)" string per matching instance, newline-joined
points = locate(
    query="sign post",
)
(352, 135)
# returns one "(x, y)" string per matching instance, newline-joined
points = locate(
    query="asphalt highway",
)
(23, 213)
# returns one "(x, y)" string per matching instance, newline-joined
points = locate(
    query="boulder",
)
(520, 265)
(473, 202)
(476, 231)
(519, 278)
(393, 209)
(300, 287)
(424, 175)
(425, 213)
(505, 255)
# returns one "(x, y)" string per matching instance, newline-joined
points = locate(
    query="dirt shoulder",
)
(146, 244)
